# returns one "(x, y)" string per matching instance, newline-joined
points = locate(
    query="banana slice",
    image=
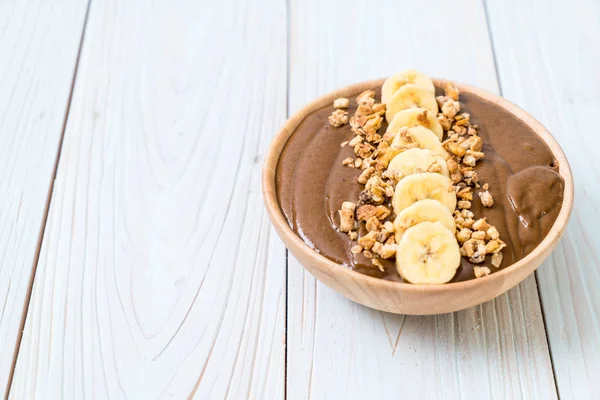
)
(427, 185)
(428, 254)
(412, 160)
(409, 96)
(423, 137)
(427, 210)
(393, 83)
(415, 117)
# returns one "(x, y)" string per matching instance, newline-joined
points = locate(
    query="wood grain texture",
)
(39, 43)
(159, 274)
(340, 349)
(554, 74)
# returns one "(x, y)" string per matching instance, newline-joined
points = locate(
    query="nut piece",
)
(356, 140)
(486, 198)
(368, 240)
(347, 222)
(365, 197)
(478, 235)
(463, 235)
(445, 122)
(363, 110)
(477, 257)
(477, 155)
(451, 91)
(481, 271)
(379, 108)
(481, 225)
(365, 212)
(452, 165)
(353, 235)
(378, 264)
(382, 236)
(454, 148)
(463, 204)
(365, 175)
(363, 150)
(476, 143)
(372, 224)
(470, 246)
(469, 160)
(463, 119)
(367, 97)
(467, 214)
(435, 167)
(464, 193)
(356, 249)
(497, 259)
(492, 246)
(387, 251)
(382, 212)
(338, 118)
(342, 102)
(492, 233)
(450, 108)
(389, 226)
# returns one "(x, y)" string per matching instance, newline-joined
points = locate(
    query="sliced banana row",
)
(427, 250)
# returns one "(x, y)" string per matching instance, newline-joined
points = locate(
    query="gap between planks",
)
(46, 209)
(288, 63)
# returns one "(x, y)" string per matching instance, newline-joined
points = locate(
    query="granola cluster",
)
(373, 153)
(476, 236)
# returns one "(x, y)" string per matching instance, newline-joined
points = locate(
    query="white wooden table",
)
(137, 260)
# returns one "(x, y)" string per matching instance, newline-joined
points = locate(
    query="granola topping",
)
(477, 237)
(338, 118)
(309, 175)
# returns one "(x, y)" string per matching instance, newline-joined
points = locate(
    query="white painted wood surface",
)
(337, 349)
(159, 274)
(38, 51)
(548, 58)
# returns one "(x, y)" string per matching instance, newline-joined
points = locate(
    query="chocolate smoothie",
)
(521, 171)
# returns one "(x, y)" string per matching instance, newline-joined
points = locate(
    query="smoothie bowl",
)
(417, 196)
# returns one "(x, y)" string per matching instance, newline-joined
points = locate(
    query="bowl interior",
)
(280, 222)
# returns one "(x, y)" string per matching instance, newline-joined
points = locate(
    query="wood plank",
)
(338, 349)
(159, 273)
(39, 43)
(548, 57)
